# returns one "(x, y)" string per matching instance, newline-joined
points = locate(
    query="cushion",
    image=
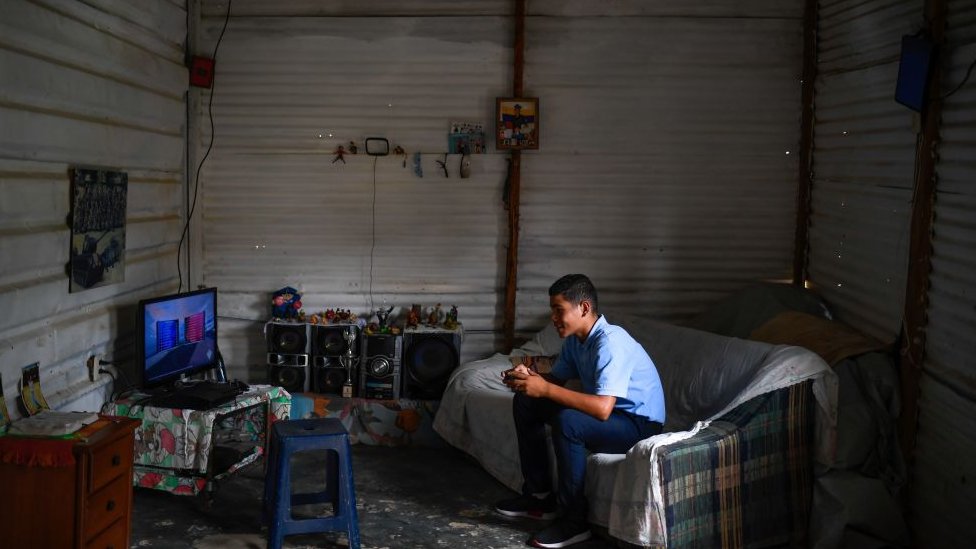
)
(833, 341)
(546, 342)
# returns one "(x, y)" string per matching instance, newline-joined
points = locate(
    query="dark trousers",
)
(574, 435)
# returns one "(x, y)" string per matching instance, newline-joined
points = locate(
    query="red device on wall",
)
(201, 72)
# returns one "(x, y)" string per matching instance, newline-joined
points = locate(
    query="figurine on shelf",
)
(382, 316)
(413, 316)
(340, 154)
(286, 303)
(451, 322)
(434, 318)
(329, 316)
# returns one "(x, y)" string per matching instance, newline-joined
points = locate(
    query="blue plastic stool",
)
(288, 438)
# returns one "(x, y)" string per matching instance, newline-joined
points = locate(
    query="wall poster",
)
(98, 204)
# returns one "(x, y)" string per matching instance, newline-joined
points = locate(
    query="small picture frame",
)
(517, 123)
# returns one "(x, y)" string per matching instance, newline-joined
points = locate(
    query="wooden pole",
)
(805, 178)
(514, 188)
(920, 247)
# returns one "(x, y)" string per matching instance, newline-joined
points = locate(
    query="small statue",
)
(382, 317)
(434, 318)
(451, 322)
(413, 316)
(329, 316)
(286, 303)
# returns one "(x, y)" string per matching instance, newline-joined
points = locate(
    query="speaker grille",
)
(429, 359)
(289, 339)
(330, 340)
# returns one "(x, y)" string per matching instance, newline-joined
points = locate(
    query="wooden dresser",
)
(83, 505)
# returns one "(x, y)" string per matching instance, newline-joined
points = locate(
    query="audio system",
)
(288, 356)
(333, 355)
(379, 375)
(429, 358)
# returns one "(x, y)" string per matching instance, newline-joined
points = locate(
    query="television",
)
(913, 72)
(179, 337)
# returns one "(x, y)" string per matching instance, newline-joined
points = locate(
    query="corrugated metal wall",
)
(98, 83)
(666, 140)
(863, 164)
(365, 232)
(668, 167)
(944, 492)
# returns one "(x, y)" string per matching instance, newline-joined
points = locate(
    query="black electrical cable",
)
(372, 245)
(196, 179)
(959, 86)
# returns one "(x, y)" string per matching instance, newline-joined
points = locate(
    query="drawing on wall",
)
(466, 138)
(517, 120)
(98, 204)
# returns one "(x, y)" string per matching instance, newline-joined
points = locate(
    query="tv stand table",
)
(185, 452)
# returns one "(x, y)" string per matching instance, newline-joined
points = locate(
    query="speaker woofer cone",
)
(431, 360)
(380, 367)
(290, 342)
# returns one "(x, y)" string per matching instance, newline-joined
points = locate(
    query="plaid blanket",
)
(745, 480)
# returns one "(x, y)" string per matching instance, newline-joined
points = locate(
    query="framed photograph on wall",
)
(517, 123)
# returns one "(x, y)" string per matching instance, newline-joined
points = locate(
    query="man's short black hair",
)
(576, 288)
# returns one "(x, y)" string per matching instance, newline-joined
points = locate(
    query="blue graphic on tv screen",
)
(167, 334)
(179, 336)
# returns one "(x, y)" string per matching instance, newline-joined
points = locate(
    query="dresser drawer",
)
(110, 461)
(113, 538)
(107, 505)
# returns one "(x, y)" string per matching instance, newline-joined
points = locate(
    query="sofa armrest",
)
(747, 478)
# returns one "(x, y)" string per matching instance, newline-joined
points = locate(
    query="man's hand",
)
(521, 379)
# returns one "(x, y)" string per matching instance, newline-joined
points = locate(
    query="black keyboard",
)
(199, 396)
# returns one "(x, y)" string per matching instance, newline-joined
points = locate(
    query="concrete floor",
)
(406, 497)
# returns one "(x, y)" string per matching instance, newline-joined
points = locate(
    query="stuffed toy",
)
(286, 303)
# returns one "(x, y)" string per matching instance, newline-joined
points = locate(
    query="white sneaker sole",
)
(522, 514)
(582, 536)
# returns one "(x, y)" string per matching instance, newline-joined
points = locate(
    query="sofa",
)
(745, 423)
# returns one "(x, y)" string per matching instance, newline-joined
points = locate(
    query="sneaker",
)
(562, 533)
(529, 506)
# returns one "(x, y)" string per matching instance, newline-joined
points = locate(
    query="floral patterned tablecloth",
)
(173, 447)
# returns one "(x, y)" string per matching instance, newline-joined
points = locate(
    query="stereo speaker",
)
(329, 346)
(329, 340)
(379, 375)
(290, 372)
(428, 360)
(288, 356)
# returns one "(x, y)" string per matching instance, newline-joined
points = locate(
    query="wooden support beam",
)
(805, 160)
(915, 317)
(514, 187)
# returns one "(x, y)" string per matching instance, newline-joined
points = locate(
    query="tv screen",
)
(179, 336)
(913, 72)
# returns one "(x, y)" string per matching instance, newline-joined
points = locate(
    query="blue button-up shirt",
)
(610, 362)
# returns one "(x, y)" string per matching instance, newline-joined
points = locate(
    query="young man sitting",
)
(621, 403)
